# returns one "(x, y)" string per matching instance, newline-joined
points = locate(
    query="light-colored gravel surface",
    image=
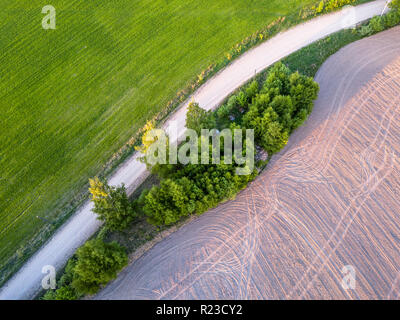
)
(83, 224)
(330, 199)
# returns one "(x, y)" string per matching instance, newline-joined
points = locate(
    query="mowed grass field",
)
(73, 96)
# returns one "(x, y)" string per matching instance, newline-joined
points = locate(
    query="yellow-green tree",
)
(97, 189)
(112, 204)
(148, 137)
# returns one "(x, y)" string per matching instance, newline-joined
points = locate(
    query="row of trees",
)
(282, 105)
(273, 109)
(193, 189)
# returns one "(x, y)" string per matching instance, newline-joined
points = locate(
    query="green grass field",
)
(71, 97)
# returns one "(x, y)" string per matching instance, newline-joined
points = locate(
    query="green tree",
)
(268, 131)
(392, 18)
(283, 106)
(252, 91)
(278, 78)
(112, 205)
(49, 295)
(274, 138)
(97, 264)
(167, 203)
(198, 118)
(303, 92)
(66, 293)
(377, 24)
(395, 5)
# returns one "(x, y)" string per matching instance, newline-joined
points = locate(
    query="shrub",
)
(282, 106)
(365, 31)
(331, 5)
(380, 23)
(67, 277)
(392, 18)
(65, 291)
(395, 5)
(49, 295)
(377, 24)
(97, 264)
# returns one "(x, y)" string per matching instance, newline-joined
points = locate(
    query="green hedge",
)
(380, 23)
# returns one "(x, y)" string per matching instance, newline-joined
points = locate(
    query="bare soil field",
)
(329, 200)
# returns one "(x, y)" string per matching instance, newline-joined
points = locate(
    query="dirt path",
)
(329, 200)
(83, 224)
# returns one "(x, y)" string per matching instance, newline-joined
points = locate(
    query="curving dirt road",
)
(83, 224)
(329, 200)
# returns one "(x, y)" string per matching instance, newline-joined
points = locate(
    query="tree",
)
(169, 202)
(112, 205)
(320, 7)
(303, 92)
(148, 138)
(198, 118)
(262, 101)
(97, 264)
(252, 120)
(392, 18)
(98, 189)
(278, 78)
(283, 106)
(268, 131)
(275, 138)
(65, 293)
(252, 90)
(395, 5)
